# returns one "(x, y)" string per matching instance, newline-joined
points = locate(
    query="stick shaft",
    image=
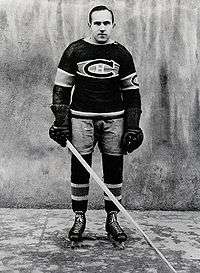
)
(116, 202)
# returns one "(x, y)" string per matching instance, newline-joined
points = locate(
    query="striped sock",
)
(113, 171)
(80, 183)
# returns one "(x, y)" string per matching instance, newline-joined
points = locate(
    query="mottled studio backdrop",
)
(164, 38)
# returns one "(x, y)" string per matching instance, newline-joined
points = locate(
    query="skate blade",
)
(118, 245)
(76, 244)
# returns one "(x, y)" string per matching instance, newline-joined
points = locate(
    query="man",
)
(105, 108)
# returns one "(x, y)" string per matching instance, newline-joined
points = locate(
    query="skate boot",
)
(115, 232)
(75, 233)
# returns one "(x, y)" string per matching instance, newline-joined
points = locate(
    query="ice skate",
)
(75, 233)
(115, 233)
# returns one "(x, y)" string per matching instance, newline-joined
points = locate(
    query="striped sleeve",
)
(130, 82)
(128, 75)
(66, 69)
(64, 78)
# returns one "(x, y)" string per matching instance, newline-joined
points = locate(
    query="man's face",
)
(101, 26)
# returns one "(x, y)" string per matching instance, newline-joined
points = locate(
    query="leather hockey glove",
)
(132, 140)
(133, 135)
(60, 131)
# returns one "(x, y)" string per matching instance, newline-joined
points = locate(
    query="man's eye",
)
(106, 23)
(97, 23)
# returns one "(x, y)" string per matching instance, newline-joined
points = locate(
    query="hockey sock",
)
(113, 172)
(80, 183)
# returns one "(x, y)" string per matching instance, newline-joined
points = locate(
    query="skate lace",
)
(78, 223)
(116, 227)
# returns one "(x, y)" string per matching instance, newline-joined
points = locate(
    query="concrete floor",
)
(33, 241)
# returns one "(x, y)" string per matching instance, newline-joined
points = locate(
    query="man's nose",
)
(102, 28)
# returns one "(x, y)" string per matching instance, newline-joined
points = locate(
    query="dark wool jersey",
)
(100, 75)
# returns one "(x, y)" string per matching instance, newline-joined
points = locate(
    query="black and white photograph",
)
(100, 136)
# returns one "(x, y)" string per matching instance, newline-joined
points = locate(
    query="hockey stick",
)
(116, 202)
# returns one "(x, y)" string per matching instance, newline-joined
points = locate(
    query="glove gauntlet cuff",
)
(62, 115)
(132, 119)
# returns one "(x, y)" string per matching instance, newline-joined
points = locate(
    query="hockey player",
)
(105, 108)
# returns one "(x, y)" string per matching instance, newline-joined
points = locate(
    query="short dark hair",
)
(98, 8)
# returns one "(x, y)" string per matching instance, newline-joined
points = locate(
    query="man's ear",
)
(114, 24)
(89, 24)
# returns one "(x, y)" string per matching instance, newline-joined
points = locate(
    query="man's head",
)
(101, 23)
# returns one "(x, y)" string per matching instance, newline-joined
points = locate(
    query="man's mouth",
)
(102, 35)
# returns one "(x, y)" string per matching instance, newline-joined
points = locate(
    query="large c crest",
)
(99, 68)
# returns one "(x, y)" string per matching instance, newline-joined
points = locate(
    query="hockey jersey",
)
(100, 75)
